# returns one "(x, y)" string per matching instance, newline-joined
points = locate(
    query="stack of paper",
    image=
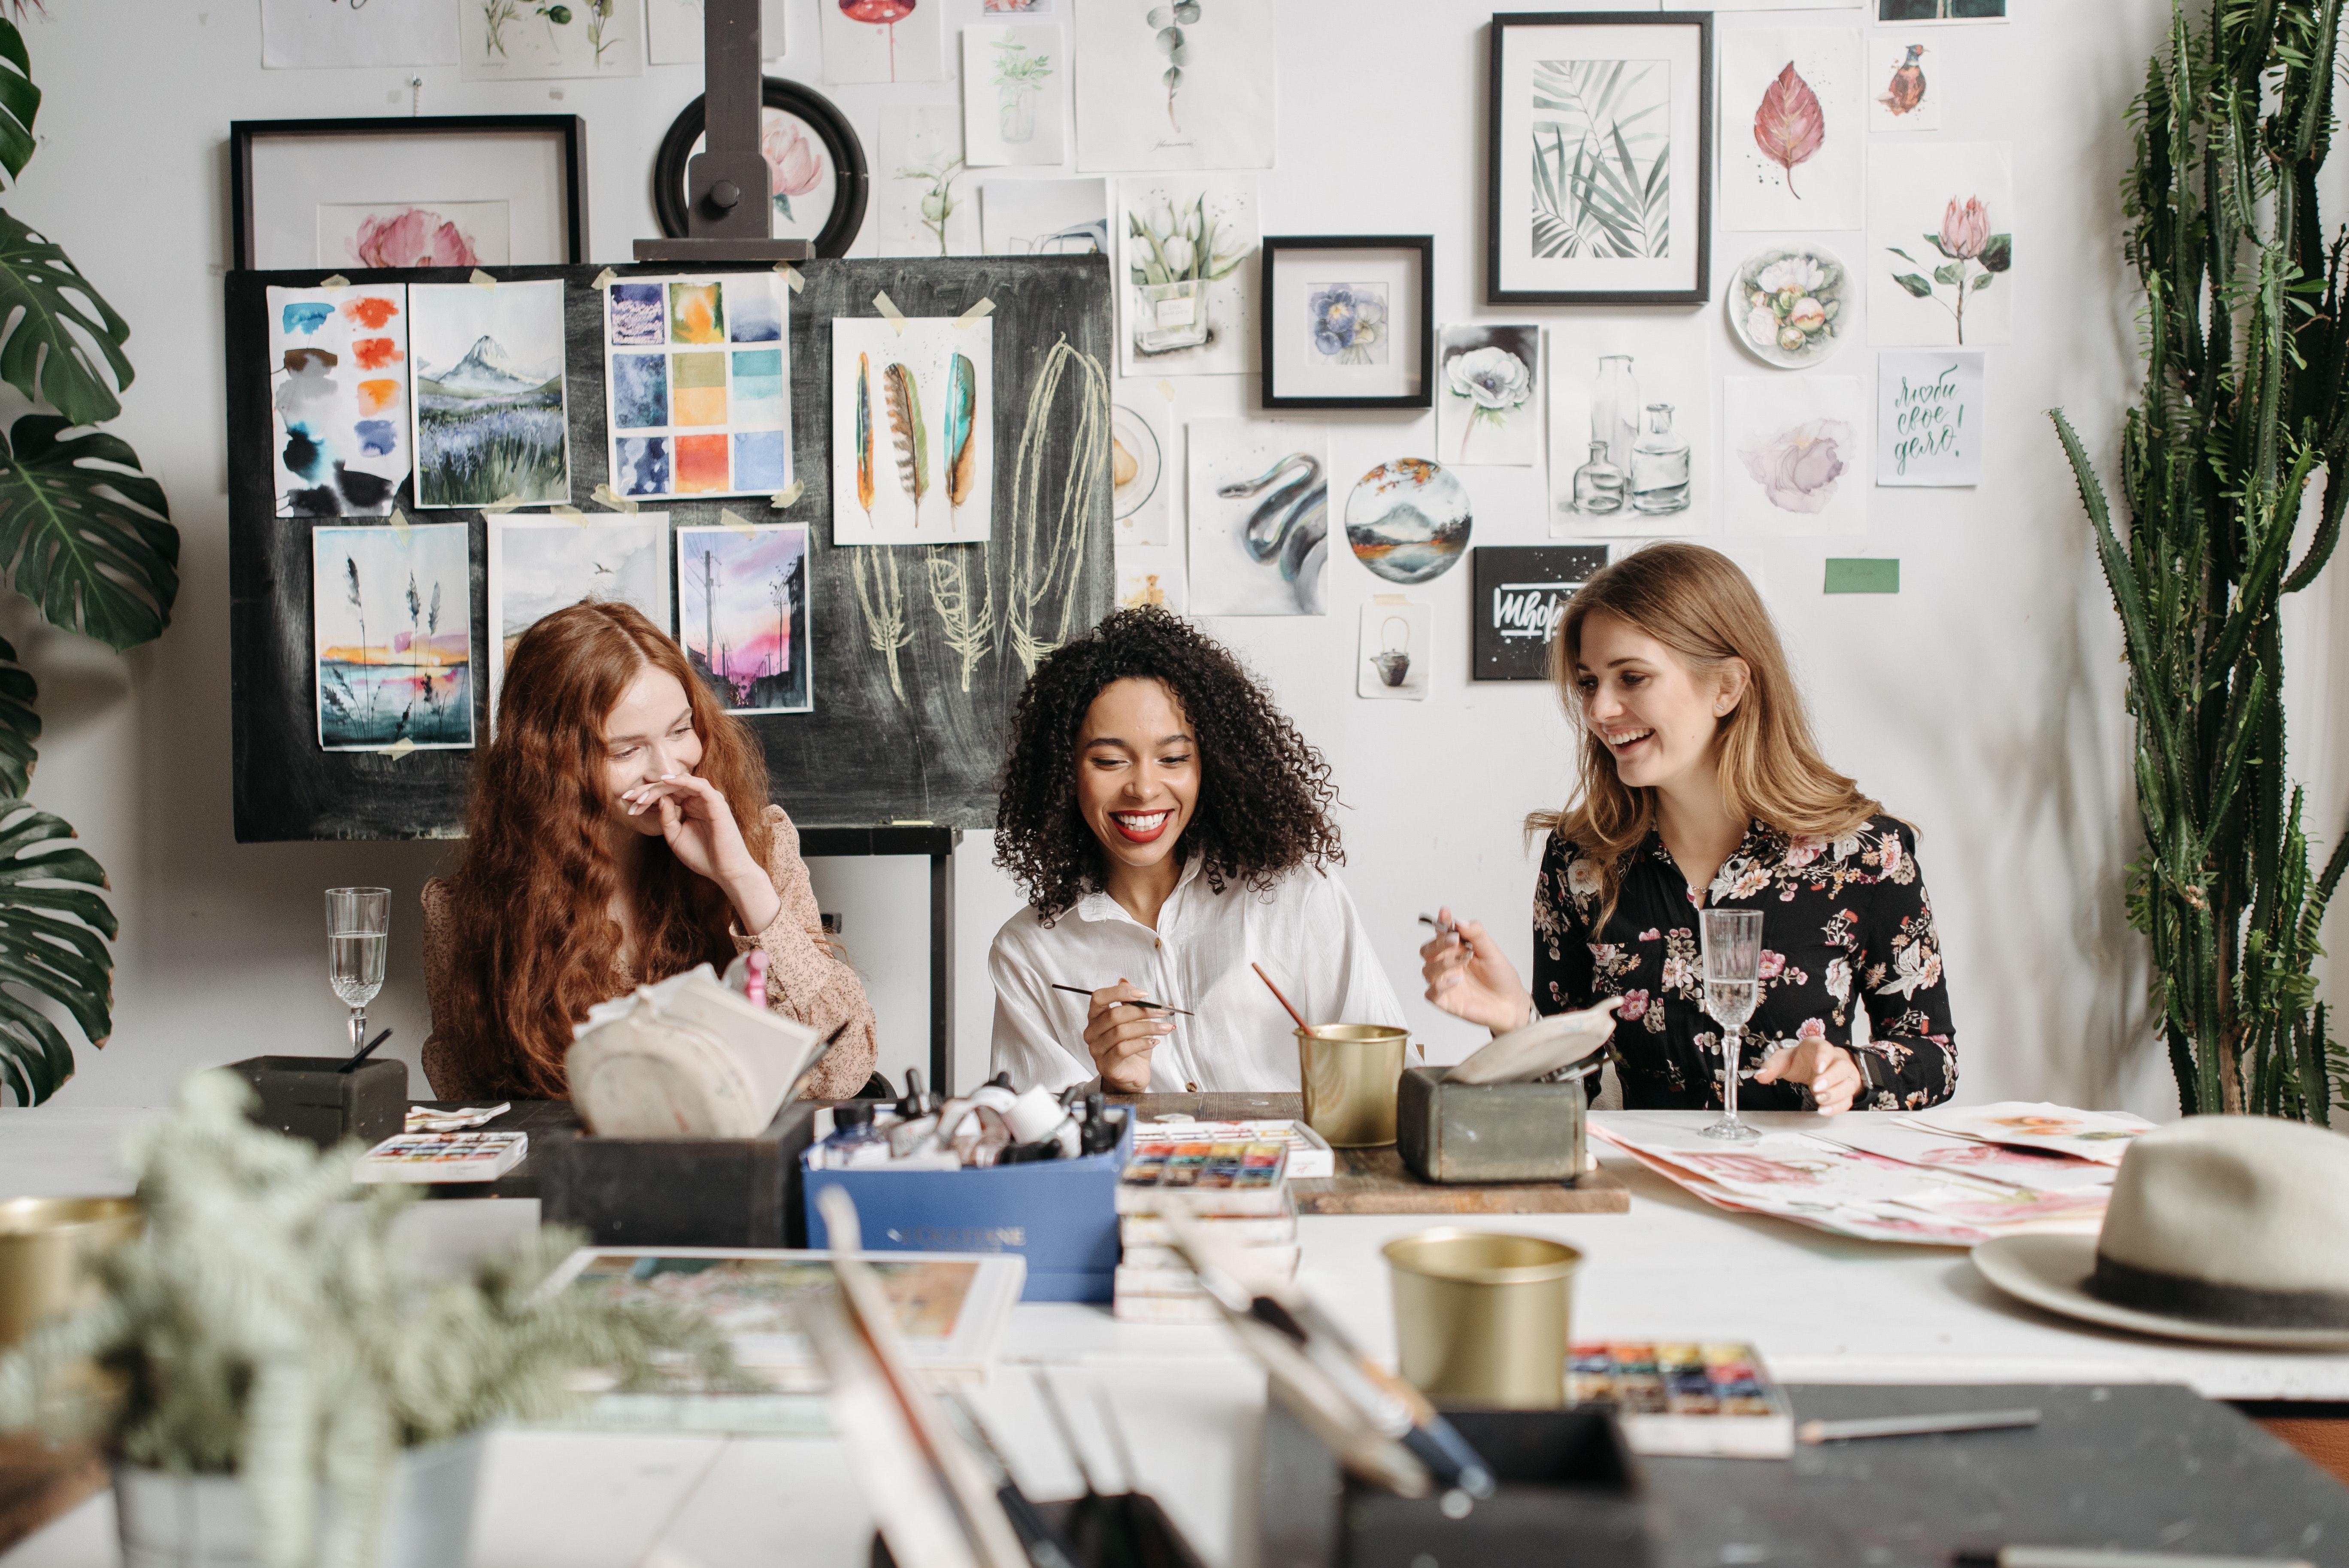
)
(1900, 1179)
(1237, 1188)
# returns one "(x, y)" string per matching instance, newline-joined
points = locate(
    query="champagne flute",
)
(358, 930)
(1732, 988)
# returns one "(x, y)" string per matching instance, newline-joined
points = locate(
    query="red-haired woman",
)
(618, 834)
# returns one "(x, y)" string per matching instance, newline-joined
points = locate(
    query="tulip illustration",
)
(1967, 242)
(1964, 230)
(881, 14)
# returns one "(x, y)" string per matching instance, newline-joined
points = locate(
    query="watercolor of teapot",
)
(1393, 662)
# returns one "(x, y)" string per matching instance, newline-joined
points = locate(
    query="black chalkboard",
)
(863, 755)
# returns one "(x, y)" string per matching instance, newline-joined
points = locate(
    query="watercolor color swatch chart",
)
(338, 395)
(697, 384)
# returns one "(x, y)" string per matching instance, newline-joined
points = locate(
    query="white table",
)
(1821, 1309)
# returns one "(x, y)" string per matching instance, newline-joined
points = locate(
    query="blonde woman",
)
(1700, 788)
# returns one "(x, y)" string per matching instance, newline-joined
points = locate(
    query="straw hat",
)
(2232, 1229)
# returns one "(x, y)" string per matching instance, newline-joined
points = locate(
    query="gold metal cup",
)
(46, 1245)
(1481, 1318)
(1350, 1072)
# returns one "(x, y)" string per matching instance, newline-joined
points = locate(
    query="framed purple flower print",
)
(1347, 321)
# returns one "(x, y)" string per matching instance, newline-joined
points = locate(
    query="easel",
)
(939, 843)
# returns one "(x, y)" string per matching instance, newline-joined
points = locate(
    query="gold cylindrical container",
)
(45, 1244)
(1481, 1318)
(1350, 1072)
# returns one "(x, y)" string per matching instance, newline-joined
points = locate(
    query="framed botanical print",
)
(1600, 158)
(1347, 321)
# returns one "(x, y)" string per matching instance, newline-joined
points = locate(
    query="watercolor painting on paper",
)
(1187, 250)
(674, 31)
(523, 40)
(414, 234)
(1631, 442)
(1398, 644)
(1152, 577)
(882, 40)
(1187, 84)
(1259, 512)
(742, 615)
(338, 400)
(697, 385)
(912, 431)
(1929, 416)
(1938, 11)
(927, 204)
(1346, 324)
(539, 565)
(1487, 409)
(1141, 486)
(1905, 85)
(1794, 141)
(391, 636)
(1409, 520)
(1602, 158)
(489, 394)
(1941, 244)
(1794, 454)
(311, 34)
(1015, 83)
(1045, 217)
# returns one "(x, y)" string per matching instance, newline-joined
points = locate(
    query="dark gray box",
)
(681, 1191)
(1450, 1132)
(305, 1097)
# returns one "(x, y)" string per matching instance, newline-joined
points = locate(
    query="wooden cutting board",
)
(1374, 1181)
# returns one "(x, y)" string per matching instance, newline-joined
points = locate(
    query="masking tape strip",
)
(787, 494)
(399, 525)
(397, 749)
(888, 308)
(603, 279)
(1166, 390)
(504, 503)
(1390, 599)
(739, 523)
(569, 514)
(791, 276)
(481, 280)
(983, 307)
(334, 281)
(606, 496)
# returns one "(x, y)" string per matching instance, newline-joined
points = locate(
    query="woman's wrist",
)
(756, 902)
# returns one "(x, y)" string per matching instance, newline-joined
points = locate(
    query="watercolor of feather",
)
(864, 435)
(903, 398)
(958, 464)
(1790, 125)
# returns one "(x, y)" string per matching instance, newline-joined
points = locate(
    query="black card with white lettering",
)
(1521, 594)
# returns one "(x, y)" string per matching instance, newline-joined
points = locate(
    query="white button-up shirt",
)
(1305, 933)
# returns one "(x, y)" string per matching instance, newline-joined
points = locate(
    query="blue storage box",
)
(1060, 1214)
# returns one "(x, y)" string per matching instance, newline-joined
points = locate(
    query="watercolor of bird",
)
(1906, 88)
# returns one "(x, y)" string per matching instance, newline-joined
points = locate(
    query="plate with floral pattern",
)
(1787, 304)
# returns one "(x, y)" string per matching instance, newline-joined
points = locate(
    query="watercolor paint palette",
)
(443, 1157)
(697, 385)
(1227, 1178)
(1710, 1400)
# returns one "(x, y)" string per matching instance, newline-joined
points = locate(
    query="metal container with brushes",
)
(46, 1247)
(1350, 1072)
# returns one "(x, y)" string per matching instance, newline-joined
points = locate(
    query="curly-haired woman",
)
(1170, 828)
(619, 833)
(1702, 788)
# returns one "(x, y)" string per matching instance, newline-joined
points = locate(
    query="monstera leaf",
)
(20, 727)
(19, 100)
(84, 534)
(46, 307)
(54, 927)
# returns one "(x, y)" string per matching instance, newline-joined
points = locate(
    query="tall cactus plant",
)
(2244, 403)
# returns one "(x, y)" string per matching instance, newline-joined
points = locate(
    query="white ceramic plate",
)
(1802, 291)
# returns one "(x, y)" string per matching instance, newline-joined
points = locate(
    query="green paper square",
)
(1862, 574)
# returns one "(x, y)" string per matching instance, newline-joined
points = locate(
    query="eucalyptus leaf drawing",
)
(1602, 166)
(1175, 44)
(1789, 127)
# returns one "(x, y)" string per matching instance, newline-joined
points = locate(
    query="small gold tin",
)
(1481, 1318)
(45, 1244)
(1350, 1072)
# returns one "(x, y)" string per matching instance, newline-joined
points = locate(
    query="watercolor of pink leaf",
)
(1789, 126)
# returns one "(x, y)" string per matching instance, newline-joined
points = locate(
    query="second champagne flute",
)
(1732, 989)
(358, 930)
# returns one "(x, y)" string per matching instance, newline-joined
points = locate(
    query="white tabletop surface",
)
(1822, 1309)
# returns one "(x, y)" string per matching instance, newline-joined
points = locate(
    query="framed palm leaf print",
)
(1600, 159)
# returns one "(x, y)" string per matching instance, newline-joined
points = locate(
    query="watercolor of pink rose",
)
(1797, 468)
(412, 237)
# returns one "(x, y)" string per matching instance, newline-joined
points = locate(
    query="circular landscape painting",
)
(1407, 519)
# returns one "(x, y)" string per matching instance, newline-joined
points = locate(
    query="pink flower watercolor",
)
(1965, 230)
(1797, 468)
(412, 238)
(798, 167)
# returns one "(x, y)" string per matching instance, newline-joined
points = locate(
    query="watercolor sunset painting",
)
(392, 635)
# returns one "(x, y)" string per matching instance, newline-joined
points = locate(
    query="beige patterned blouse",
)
(807, 979)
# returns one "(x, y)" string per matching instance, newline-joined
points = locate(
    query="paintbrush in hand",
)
(1154, 1006)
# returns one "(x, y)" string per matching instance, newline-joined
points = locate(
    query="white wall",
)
(1983, 703)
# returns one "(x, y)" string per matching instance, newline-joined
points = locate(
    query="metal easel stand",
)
(728, 193)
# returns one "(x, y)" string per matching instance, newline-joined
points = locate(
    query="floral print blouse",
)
(1846, 924)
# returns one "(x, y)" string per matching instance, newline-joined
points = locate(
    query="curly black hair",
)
(1265, 795)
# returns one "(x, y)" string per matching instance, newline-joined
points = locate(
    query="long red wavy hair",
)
(533, 944)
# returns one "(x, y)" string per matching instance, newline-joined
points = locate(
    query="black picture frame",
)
(571, 128)
(1422, 327)
(853, 179)
(1700, 291)
(1521, 593)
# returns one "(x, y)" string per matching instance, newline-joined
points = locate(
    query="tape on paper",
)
(569, 514)
(606, 496)
(334, 281)
(399, 525)
(787, 494)
(791, 278)
(603, 279)
(1166, 390)
(889, 311)
(504, 503)
(982, 308)
(739, 523)
(481, 280)
(397, 749)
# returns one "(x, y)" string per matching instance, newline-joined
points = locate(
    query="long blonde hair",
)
(1697, 603)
